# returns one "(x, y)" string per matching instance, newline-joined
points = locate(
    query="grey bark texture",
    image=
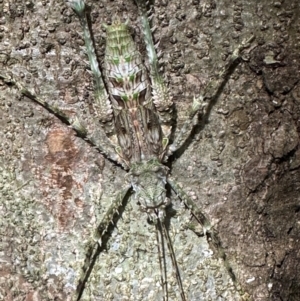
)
(242, 167)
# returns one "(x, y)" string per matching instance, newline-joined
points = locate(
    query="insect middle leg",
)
(100, 141)
(203, 103)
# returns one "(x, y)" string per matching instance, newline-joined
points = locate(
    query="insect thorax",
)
(148, 180)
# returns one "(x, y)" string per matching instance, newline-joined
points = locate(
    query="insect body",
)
(136, 123)
(135, 112)
(130, 117)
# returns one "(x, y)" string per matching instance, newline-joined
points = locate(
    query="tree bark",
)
(242, 166)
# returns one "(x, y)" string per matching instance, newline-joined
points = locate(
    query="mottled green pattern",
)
(135, 112)
(127, 79)
(136, 122)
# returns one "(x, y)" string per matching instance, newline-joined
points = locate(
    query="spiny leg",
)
(208, 229)
(195, 211)
(102, 104)
(95, 246)
(161, 99)
(203, 103)
(104, 146)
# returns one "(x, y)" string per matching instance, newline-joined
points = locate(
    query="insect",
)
(136, 114)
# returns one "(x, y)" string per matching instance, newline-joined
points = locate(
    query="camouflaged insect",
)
(135, 112)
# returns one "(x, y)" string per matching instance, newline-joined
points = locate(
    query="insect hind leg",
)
(101, 104)
(160, 92)
(97, 244)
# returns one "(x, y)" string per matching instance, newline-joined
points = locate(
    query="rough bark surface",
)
(242, 167)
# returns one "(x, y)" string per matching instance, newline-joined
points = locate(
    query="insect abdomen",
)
(136, 122)
(126, 76)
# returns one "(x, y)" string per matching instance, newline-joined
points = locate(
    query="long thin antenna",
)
(173, 259)
(162, 258)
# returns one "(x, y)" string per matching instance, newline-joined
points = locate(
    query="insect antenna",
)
(162, 258)
(162, 235)
(173, 259)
